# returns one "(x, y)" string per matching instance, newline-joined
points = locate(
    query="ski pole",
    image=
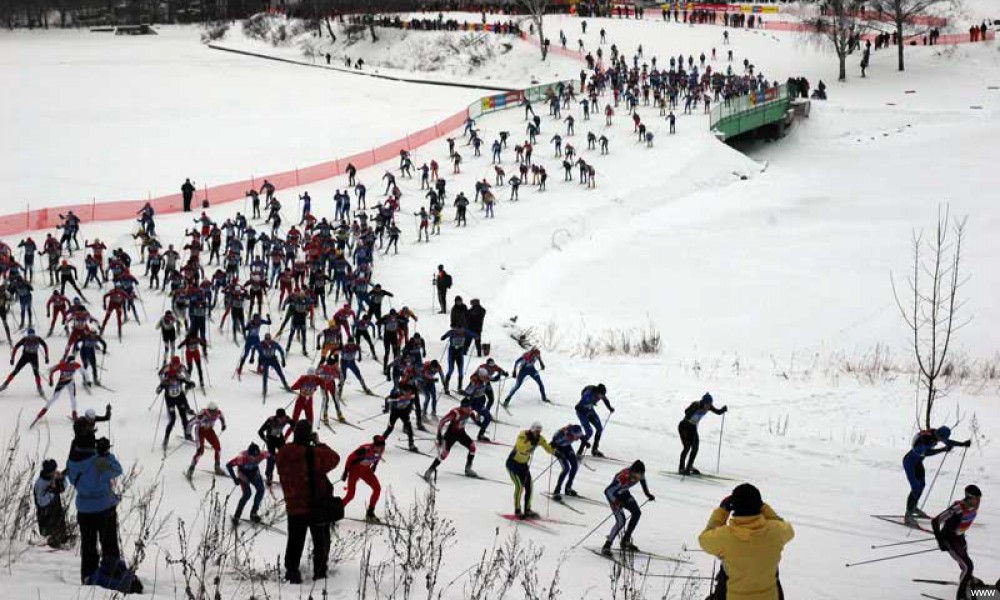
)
(877, 546)
(957, 475)
(718, 456)
(156, 430)
(596, 527)
(875, 560)
(155, 398)
(931, 487)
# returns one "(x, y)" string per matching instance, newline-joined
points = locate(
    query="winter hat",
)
(638, 467)
(707, 398)
(49, 466)
(973, 490)
(746, 500)
(303, 432)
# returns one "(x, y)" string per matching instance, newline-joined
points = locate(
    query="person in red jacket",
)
(57, 306)
(302, 468)
(66, 368)
(306, 386)
(361, 464)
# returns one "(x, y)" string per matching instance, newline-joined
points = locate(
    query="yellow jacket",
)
(750, 549)
(524, 448)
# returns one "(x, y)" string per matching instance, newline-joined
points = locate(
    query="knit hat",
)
(746, 500)
(49, 466)
(303, 432)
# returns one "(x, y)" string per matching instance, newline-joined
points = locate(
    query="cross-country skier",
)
(924, 445)
(87, 347)
(451, 429)
(519, 467)
(174, 383)
(457, 337)
(350, 356)
(168, 331)
(361, 464)
(399, 404)
(306, 385)
(562, 442)
(66, 368)
(524, 367)
(949, 530)
(204, 428)
(193, 346)
(269, 351)
(29, 346)
(272, 432)
(688, 430)
(251, 339)
(586, 412)
(619, 496)
(244, 468)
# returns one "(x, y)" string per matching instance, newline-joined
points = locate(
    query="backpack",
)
(446, 280)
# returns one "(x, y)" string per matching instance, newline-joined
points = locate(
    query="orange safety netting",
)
(47, 218)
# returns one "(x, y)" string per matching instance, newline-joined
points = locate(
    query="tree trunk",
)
(541, 34)
(899, 40)
(843, 66)
(329, 29)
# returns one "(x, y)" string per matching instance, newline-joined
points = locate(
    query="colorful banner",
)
(744, 8)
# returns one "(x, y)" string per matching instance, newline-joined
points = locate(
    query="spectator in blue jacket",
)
(91, 470)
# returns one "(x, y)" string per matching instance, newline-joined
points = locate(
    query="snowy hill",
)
(766, 276)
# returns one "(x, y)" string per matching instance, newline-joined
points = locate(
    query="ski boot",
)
(235, 521)
(255, 517)
(583, 448)
(910, 520)
(918, 513)
(370, 516)
(557, 497)
(75, 417)
(428, 474)
(470, 473)
(325, 419)
(189, 473)
(546, 400)
(368, 391)
(164, 445)
(420, 426)
(517, 512)
(413, 448)
(597, 453)
(628, 546)
(606, 548)
(693, 471)
(218, 470)
(482, 438)
(3, 386)
(571, 493)
(530, 514)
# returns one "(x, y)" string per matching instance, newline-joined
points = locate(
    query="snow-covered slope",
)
(122, 117)
(746, 279)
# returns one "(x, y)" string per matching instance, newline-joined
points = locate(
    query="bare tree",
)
(536, 11)
(840, 25)
(903, 13)
(931, 307)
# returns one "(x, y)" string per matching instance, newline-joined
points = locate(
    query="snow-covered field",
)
(756, 286)
(100, 116)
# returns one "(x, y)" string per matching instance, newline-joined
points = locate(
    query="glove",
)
(942, 543)
(285, 364)
(966, 444)
(385, 409)
(12, 361)
(236, 481)
(223, 427)
(651, 498)
(726, 504)
(724, 409)
(611, 409)
(440, 440)
(344, 476)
